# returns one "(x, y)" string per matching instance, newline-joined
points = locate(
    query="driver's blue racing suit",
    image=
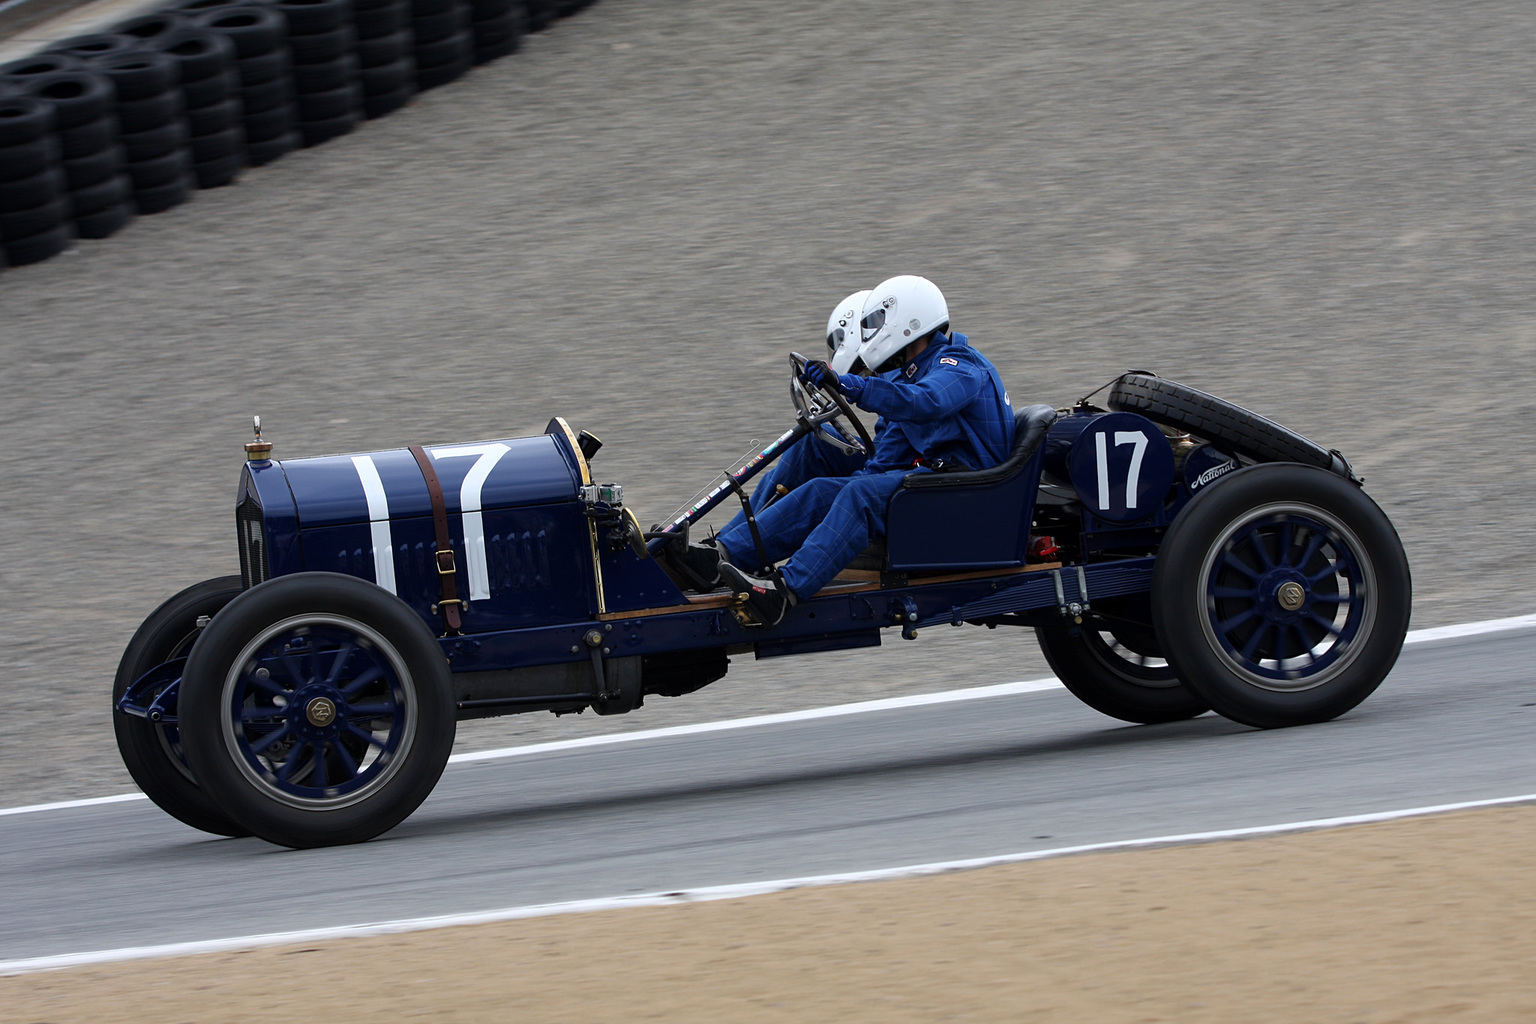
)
(947, 408)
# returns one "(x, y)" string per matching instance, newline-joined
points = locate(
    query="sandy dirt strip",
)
(1429, 919)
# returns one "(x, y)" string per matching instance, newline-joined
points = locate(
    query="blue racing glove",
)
(821, 375)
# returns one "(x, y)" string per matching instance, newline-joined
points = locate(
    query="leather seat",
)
(987, 496)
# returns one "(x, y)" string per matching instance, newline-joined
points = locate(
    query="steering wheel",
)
(828, 411)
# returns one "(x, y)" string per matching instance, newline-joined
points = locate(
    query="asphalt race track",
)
(970, 779)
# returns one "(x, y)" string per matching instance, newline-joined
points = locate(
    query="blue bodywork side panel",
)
(963, 528)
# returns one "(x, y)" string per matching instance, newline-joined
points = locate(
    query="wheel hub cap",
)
(1290, 596)
(321, 712)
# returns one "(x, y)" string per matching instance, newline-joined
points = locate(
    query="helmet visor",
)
(873, 322)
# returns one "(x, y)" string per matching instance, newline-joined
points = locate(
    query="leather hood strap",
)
(447, 570)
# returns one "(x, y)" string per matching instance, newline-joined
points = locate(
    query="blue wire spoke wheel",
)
(1282, 595)
(1288, 596)
(317, 709)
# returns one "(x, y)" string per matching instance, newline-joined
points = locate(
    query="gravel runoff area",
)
(1321, 211)
(1426, 920)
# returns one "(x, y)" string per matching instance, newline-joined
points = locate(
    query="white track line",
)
(1416, 636)
(713, 892)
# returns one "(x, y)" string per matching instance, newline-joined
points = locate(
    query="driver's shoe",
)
(698, 564)
(764, 599)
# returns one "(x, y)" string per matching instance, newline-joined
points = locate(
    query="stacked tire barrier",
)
(153, 128)
(326, 95)
(33, 209)
(259, 37)
(386, 54)
(129, 121)
(210, 97)
(445, 41)
(498, 28)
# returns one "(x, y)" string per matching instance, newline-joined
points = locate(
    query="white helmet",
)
(843, 333)
(898, 312)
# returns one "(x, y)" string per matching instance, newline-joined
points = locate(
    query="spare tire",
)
(1228, 426)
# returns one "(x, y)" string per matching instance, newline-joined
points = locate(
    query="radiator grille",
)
(253, 547)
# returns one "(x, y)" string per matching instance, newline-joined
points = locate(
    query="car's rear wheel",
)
(1118, 672)
(1282, 595)
(152, 751)
(317, 709)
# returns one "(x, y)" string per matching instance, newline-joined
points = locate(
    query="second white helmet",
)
(897, 312)
(843, 339)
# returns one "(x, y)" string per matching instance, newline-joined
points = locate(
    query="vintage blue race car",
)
(1172, 552)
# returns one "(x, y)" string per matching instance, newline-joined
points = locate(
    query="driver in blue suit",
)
(946, 409)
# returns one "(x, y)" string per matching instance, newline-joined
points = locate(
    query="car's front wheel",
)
(317, 709)
(1282, 595)
(152, 750)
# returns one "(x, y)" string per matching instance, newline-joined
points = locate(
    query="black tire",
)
(321, 48)
(149, 201)
(27, 160)
(381, 21)
(21, 251)
(88, 139)
(139, 76)
(219, 146)
(258, 99)
(218, 173)
(210, 91)
(481, 10)
(263, 69)
(275, 787)
(195, 8)
(1272, 565)
(540, 14)
(201, 53)
(215, 118)
(104, 223)
(1113, 679)
(37, 220)
(333, 74)
(93, 169)
(322, 106)
(495, 31)
(264, 151)
(151, 751)
(451, 50)
(39, 64)
(431, 78)
(434, 27)
(314, 133)
(149, 115)
(1229, 427)
(268, 124)
(159, 172)
(154, 143)
(92, 199)
(388, 102)
(495, 51)
(26, 193)
(78, 97)
(372, 53)
(151, 30)
(427, 8)
(386, 79)
(254, 30)
(310, 17)
(24, 119)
